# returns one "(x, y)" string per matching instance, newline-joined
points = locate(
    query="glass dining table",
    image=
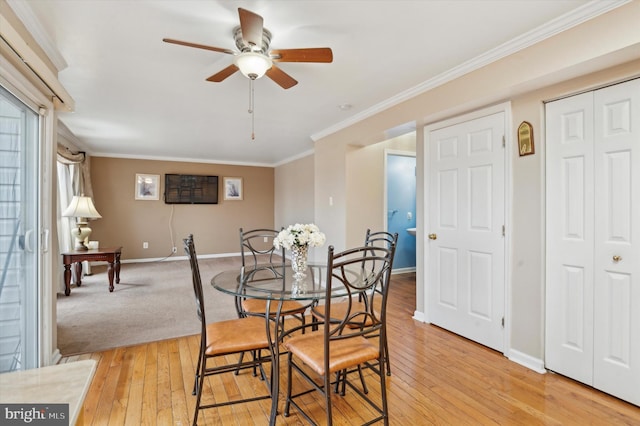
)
(275, 284)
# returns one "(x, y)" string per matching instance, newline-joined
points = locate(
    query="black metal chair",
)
(340, 348)
(223, 338)
(374, 239)
(256, 248)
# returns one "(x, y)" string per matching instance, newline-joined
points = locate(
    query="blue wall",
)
(401, 202)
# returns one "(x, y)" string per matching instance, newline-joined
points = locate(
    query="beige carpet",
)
(154, 301)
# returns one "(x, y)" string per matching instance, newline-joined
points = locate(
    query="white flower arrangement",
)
(299, 235)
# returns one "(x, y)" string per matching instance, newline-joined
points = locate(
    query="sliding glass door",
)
(19, 240)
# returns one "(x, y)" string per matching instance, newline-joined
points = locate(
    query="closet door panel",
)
(617, 237)
(569, 284)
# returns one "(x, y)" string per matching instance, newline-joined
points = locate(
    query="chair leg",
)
(327, 397)
(364, 385)
(341, 382)
(383, 394)
(199, 387)
(287, 403)
(340, 377)
(256, 355)
(195, 382)
(314, 322)
(386, 355)
(240, 362)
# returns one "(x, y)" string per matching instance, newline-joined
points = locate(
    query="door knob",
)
(617, 258)
(433, 237)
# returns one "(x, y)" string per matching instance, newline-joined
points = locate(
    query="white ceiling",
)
(138, 97)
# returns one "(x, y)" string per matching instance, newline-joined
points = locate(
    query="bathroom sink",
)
(411, 231)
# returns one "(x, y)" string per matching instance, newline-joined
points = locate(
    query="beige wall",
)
(551, 68)
(365, 183)
(129, 222)
(294, 183)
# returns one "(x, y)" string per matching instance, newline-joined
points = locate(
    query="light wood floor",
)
(437, 378)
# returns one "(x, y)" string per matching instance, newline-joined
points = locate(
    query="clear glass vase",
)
(299, 261)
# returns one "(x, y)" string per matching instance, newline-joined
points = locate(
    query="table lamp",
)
(82, 208)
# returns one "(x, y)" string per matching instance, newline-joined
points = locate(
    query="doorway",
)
(400, 172)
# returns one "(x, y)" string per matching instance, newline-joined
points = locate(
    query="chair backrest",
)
(259, 243)
(363, 270)
(190, 250)
(381, 239)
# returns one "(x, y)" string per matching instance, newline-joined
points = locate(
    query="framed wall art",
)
(147, 187)
(233, 188)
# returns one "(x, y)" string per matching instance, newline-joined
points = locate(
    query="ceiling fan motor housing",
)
(244, 46)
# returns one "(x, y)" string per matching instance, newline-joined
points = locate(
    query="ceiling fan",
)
(254, 58)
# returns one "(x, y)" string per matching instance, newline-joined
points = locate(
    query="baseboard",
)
(528, 361)
(402, 270)
(56, 356)
(419, 316)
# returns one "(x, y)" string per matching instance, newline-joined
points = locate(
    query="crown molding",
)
(562, 23)
(69, 138)
(180, 159)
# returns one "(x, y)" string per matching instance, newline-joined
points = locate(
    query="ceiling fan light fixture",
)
(252, 64)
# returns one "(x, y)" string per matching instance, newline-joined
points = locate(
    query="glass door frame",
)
(21, 87)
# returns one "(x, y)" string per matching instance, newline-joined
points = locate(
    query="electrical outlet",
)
(174, 250)
(145, 245)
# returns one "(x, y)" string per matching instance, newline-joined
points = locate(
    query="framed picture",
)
(233, 188)
(525, 139)
(147, 187)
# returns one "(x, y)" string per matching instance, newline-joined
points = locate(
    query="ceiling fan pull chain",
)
(251, 109)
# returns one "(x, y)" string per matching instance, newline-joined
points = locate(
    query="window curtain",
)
(73, 179)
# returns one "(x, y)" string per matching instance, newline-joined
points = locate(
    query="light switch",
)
(409, 216)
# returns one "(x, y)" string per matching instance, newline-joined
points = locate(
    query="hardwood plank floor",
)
(438, 378)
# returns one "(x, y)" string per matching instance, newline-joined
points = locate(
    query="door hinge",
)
(503, 231)
(502, 322)
(504, 141)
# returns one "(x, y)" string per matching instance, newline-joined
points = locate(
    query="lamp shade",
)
(252, 64)
(81, 206)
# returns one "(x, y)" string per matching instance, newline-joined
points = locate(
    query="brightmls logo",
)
(34, 414)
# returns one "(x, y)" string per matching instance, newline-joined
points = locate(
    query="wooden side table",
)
(109, 255)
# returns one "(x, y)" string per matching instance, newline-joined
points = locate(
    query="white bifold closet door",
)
(593, 239)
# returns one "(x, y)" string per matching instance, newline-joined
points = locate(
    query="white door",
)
(593, 239)
(465, 245)
(570, 241)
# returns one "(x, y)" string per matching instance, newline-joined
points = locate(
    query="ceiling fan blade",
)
(251, 25)
(198, 46)
(221, 75)
(316, 54)
(283, 79)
